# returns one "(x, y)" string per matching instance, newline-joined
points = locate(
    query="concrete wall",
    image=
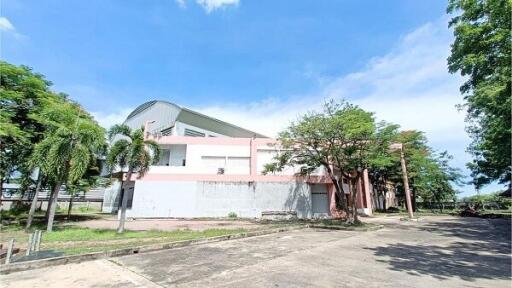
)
(218, 199)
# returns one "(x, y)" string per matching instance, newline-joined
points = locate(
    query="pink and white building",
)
(210, 168)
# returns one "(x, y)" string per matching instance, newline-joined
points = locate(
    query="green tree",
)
(22, 94)
(341, 139)
(430, 175)
(481, 52)
(71, 143)
(91, 179)
(384, 165)
(132, 151)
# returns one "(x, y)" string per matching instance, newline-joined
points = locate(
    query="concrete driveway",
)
(435, 252)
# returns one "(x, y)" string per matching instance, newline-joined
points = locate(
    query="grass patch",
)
(86, 234)
(75, 240)
(445, 212)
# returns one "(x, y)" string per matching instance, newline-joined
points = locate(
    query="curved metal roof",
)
(184, 111)
(142, 107)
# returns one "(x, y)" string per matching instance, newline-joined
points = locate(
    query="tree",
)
(341, 139)
(71, 142)
(430, 176)
(385, 163)
(89, 180)
(22, 94)
(481, 52)
(132, 151)
(40, 183)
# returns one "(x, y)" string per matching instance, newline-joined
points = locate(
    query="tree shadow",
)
(460, 259)
(299, 200)
(492, 235)
(483, 252)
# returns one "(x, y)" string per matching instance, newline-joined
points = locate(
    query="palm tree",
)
(131, 151)
(69, 147)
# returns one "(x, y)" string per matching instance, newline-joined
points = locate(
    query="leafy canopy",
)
(72, 141)
(481, 52)
(131, 150)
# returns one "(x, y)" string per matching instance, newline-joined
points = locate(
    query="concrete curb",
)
(362, 229)
(41, 263)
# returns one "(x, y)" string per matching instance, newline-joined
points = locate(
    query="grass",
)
(75, 240)
(71, 239)
(423, 212)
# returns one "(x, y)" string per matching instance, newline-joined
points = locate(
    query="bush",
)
(232, 215)
(393, 210)
(19, 207)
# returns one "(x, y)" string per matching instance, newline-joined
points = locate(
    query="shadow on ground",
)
(483, 251)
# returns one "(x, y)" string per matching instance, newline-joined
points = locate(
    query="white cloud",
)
(181, 3)
(5, 24)
(210, 5)
(107, 120)
(410, 86)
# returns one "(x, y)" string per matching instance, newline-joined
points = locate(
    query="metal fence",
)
(460, 205)
(93, 195)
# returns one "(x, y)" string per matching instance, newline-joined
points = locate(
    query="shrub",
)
(232, 215)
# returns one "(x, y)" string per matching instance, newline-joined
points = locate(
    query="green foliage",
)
(131, 150)
(232, 215)
(342, 139)
(71, 142)
(341, 136)
(482, 52)
(22, 95)
(430, 176)
(479, 200)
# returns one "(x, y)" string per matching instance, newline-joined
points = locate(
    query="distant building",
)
(210, 168)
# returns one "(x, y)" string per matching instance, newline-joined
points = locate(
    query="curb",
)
(332, 227)
(41, 263)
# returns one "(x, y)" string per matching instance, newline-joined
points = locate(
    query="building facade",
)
(210, 168)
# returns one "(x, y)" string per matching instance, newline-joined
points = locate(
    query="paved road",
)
(435, 252)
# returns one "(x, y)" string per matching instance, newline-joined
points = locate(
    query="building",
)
(210, 168)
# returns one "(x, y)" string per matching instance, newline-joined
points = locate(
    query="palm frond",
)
(119, 129)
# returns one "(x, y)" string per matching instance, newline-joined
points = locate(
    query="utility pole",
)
(400, 146)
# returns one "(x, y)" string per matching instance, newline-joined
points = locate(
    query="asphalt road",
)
(435, 252)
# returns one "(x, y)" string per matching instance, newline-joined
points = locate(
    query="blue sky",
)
(258, 64)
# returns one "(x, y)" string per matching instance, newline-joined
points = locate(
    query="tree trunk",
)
(1, 190)
(53, 207)
(354, 200)
(49, 205)
(70, 206)
(124, 202)
(340, 193)
(413, 198)
(34, 202)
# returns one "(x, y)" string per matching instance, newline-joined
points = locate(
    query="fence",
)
(460, 205)
(93, 195)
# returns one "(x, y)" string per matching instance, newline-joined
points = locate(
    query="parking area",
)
(434, 252)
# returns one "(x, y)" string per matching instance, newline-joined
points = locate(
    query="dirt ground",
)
(168, 224)
(433, 252)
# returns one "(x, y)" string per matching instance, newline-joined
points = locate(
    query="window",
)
(164, 158)
(213, 164)
(193, 133)
(178, 154)
(167, 131)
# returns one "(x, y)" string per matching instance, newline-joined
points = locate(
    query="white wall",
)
(200, 159)
(218, 199)
(207, 159)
